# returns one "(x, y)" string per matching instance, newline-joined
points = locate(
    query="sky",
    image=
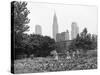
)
(42, 14)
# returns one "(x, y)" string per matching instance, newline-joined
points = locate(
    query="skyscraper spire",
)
(55, 26)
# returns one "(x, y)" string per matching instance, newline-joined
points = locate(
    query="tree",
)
(94, 41)
(20, 13)
(84, 41)
(40, 46)
(19, 21)
(47, 46)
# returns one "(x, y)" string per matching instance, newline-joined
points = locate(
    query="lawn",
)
(41, 64)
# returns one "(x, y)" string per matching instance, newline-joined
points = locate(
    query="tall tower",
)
(38, 29)
(74, 30)
(55, 26)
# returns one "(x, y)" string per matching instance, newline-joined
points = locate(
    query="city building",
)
(55, 26)
(38, 29)
(62, 36)
(74, 30)
(67, 35)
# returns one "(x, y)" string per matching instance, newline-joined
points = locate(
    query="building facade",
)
(62, 36)
(38, 30)
(74, 30)
(67, 35)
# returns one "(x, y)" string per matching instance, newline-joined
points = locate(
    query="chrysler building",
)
(55, 26)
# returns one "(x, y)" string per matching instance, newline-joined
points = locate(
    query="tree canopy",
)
(19, 21)
(84, 41)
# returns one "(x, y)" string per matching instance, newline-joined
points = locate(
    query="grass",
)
(40, 64)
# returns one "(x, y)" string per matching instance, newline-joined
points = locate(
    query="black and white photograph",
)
(52, 37)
